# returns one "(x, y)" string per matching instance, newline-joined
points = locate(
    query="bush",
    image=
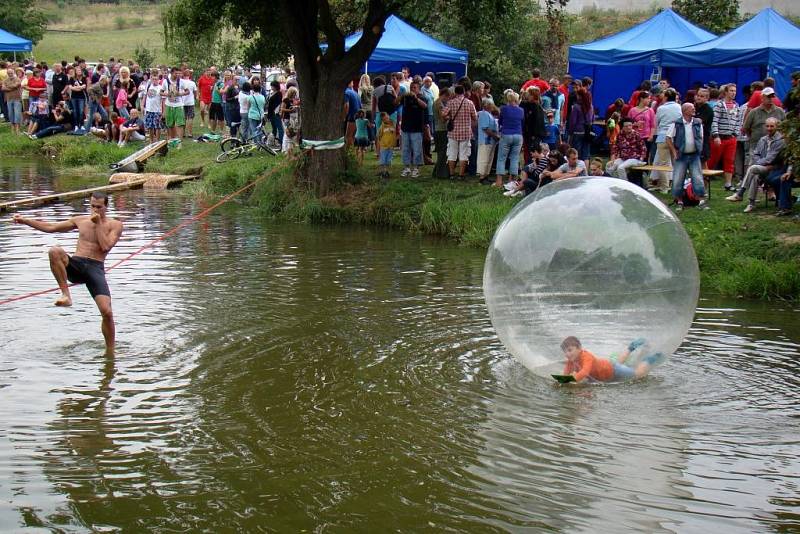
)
(137, 22)
(143, 56)
(120, 23)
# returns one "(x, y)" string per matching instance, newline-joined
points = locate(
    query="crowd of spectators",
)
(514, 142)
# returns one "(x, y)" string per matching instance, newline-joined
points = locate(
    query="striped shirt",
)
(726, 120)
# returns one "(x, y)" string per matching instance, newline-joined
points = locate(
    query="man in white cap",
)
(756, 121)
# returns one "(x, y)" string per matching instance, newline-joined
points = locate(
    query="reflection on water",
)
(282, 377)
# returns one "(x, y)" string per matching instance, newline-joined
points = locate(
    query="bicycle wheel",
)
(229, 155)
(229, 142)
(268, 149)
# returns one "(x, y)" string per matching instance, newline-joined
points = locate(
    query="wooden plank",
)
(68, 195)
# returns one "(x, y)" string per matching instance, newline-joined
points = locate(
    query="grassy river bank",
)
(752, 255)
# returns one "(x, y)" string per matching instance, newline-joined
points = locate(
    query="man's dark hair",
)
(626, 120)
(536, 73)
(769, 82)
(275, 84)
(586, 81)
(246, 87)
(713, 93)
(670, 95)
(378, 81)
(459, 89)
(99, 195)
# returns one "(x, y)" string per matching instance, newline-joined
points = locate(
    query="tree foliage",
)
(22, 18)
(217, 44)
(717, 16)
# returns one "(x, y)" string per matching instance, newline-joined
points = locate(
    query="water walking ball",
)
(595, 258)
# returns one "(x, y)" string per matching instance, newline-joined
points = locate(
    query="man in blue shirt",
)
(352, 103)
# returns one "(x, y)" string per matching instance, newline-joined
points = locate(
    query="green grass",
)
(106, 30)
(742, 255)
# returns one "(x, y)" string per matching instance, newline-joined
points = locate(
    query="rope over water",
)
(171, 232)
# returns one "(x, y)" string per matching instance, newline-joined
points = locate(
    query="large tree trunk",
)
(323, 79)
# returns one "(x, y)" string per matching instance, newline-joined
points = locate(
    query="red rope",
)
(141, 249)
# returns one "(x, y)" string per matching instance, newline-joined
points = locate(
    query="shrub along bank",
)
(746, 255)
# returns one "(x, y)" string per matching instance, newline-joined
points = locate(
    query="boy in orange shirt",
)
(583, 365)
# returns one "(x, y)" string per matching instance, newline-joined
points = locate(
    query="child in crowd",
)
(596, 167)
(612, 130)
(387, 139)
(530, 175)
(361, 141)
(121, 100)
(585, 366)
(553, 132)
(487, 140)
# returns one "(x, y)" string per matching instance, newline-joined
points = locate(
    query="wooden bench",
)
(707, 174)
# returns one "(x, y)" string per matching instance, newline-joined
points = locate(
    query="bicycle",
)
(233, 147)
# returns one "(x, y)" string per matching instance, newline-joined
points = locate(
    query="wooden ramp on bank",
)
(135, 162)
(120, 181)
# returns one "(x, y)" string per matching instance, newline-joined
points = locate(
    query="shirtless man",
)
(97, 235)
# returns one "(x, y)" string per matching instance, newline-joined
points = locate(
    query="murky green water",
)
(286, 378)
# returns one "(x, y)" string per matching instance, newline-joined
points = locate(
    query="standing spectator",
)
(273, 106)
(352, 103)
(644, 119)
(37, 88)
(462, 115)
(126, 84)
(427, 136)
(121, 101)
(12, 94)
(244, 107)
(667, 114)
(60, 81)
(433, 87)
(216, 113)
(205, 84)
(581, 117)
(362, 135)
(365, 90)
(556, 102)
(256, 104)
(487, 140)
(792, 100)
(685, 143)
(742, 141)
(705, 113)
(629, 151)
(536, 81)
(77, 97)
(3, 75)
(724, 132)
(387, 140)
(533, 126)
(440, 134)
(189, 101)
(152, 106)
(174, 91)
(414, 107)
(511, 122)
(383, 98)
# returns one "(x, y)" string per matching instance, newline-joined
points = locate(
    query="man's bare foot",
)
(109, 352)
(65, 301)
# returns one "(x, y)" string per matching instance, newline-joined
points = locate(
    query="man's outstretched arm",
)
(62, 226)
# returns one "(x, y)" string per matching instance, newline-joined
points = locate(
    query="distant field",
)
(107, 30)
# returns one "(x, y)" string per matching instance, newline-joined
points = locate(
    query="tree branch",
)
(331, 31)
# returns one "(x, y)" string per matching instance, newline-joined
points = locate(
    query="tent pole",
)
(466, 68)
(366, 67)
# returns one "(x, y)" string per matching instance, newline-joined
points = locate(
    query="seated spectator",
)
(764, 160)
(40, 116)
(133, 128)
(531, 174)
(60, 121)
(101, 127)
(629, 151)
(782, 180)
(573, 168)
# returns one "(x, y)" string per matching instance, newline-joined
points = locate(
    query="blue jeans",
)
(691, 163)
(783, 189)
(13, 112)
(412, 148)
(50, 130)
(95, 107)
(582, 142)
(277, 127)
(509, 148)
(386, 156)
(78, 106)
(623, 372)
(254, 129)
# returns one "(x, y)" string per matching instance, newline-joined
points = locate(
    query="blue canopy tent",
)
(618, 64)
(13, 43)
(403, 45)
(768, 44)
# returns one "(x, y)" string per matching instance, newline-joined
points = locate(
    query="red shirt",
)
(753, 103)
(36, 86)
(538, 82)
(205, 84)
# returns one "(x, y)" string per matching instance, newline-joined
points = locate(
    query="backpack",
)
(690, 198)
(386, 102)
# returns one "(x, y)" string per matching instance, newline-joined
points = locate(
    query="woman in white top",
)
(244, 107)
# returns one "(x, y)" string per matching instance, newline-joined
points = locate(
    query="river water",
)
(287, 378)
